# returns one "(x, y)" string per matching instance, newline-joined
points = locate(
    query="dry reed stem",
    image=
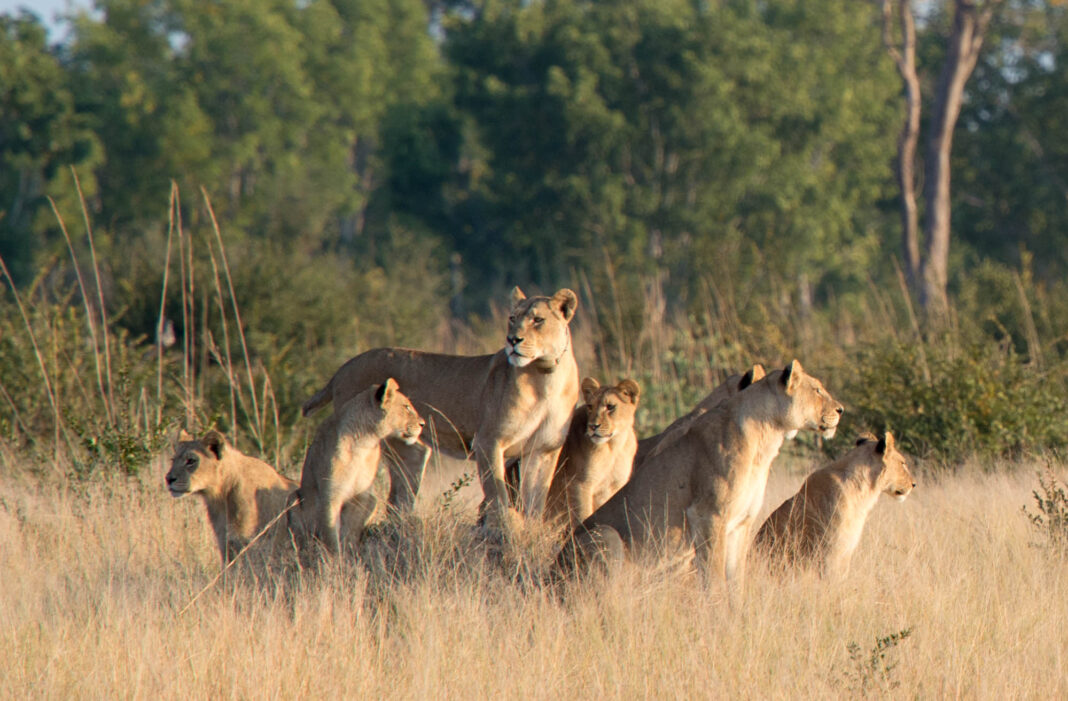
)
(233, 299)
(52, 400)
(163, 303)
(99, 292)
(226, 346)
(90, 318)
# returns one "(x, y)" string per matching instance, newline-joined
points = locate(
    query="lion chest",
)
(536, 414)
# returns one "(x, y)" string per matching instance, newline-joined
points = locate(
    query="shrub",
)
(947, 404)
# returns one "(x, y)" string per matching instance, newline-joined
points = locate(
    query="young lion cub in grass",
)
(598, 453)
(243, 494)
(342, 460)
(822, 523)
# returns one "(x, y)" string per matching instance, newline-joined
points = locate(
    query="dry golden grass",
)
(93, 579)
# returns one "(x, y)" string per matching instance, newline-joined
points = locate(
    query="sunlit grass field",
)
(94, 577)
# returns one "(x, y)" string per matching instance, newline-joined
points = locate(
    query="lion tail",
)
(319, 399)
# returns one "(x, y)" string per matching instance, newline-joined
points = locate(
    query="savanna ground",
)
(96, 577)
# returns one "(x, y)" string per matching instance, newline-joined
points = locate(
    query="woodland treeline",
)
(375, 166)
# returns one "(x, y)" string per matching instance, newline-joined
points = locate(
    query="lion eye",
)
(611, 408)
(538, 321)
(511, 319)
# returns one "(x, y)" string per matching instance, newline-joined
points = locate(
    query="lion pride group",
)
(550, 446)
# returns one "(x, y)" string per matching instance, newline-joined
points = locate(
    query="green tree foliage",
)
(1011, 170)
(40, 134)
(671, 134)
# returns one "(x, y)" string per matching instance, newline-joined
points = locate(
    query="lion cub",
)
(822, 523)
(243, 494)
(598, 453)
(342, 461)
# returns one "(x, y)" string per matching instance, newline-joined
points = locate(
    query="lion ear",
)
(866, 437)
(887, 443)
(214, 442)
(517, 295)
(751, 375)
(791, 375)
(589, 386)
(184, 436)
(880, 447)
(386, 390)
(630, 390)
(566, 302)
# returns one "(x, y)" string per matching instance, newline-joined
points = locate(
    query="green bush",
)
(948, 403)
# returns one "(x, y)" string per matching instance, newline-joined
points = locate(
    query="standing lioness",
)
(705, 485)
(823, 522)
(516, 402)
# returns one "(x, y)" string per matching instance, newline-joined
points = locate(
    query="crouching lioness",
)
(243, 494)
(823, 522)
(705, 485)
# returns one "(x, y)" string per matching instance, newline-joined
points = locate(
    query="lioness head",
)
(609, 410)
(196, 463)
(895, 479)
(811, 406)
(399, 418)
(538, 328)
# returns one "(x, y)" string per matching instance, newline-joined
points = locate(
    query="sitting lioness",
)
(822, 523)
(721, 393)
(598, 453)
(705, 486)
(341, 462)
(243, 494)
(515, 402)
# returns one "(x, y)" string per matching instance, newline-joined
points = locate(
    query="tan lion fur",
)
(341, 463)
(516, 402)
(599, 451)
(242, 493)
(823, 522)
(721, 393)
(704, 488)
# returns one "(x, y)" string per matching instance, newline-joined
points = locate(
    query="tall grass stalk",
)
(99, 292)
(233, 300)
(90, 318)
(171, 212)
(52, 400)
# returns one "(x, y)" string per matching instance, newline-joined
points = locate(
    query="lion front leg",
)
(490, 460)
(406, 465)
(579, 502)
(355, 514)
(535, 477)
(708, 531)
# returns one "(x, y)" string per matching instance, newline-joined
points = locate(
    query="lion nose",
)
(840, 409)
(514, 340)
(594, 427)
(913, 485)
(422, 422)
(171, 479)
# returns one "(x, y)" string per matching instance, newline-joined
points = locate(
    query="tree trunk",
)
(905, 58)
(928, 276)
